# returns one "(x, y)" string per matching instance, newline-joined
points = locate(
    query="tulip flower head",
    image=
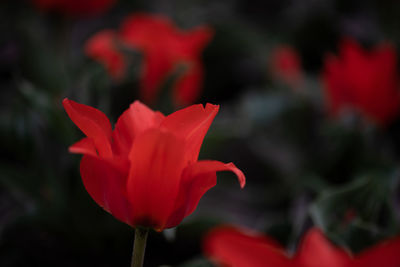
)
(364, 81)
(146, 171)
(165, 48)
(231, 246)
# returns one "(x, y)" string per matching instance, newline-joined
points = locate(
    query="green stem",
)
(139, 247)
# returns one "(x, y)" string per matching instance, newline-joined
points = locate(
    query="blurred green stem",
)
(139, 247)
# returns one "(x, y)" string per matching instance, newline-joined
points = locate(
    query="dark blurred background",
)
(303, 168)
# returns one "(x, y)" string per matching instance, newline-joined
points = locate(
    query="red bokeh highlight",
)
(285, 65)
(230, 246)
(364, 81)
(165, 48)
(102, 48)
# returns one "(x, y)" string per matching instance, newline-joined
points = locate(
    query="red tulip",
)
(285, 65)
(316, 251)
(365, 81)
(102, 48)
(146, 171)
(75, 7)
(164, 49)
(229, 246)
(233, 247)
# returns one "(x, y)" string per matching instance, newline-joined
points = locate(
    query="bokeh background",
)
(303, 166)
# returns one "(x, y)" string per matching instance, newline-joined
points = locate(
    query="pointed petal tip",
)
(211, 106)
(69, 104)
(140, 105)
(75, 150)
(72, 150)
(65, 102)
(242, 179)
(83, 146)
(92, 122)
(137, 102)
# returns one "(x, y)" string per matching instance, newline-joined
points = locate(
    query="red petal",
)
(156, 68)
(107, 186)
(384, 254)
(187, 87)
(365, 81)
(317, 251)
(189, 45)
(101, 47)
(383, 104)
(207, 166)
(154, 178)
(191, 123)
(197, 179)
(143, 31)
(198, 38)
(93, 123)
(164, 46)
(84, 146)
(229, 246)
(152, 35)
(134, 121)
(337, 93)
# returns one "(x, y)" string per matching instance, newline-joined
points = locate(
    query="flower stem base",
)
(139, 247)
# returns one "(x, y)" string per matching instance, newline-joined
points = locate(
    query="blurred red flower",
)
(230, 246)
(285, 65)
(146, 171)
(102, 48)
(75, 7)
(365, 81)
(166, 48)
